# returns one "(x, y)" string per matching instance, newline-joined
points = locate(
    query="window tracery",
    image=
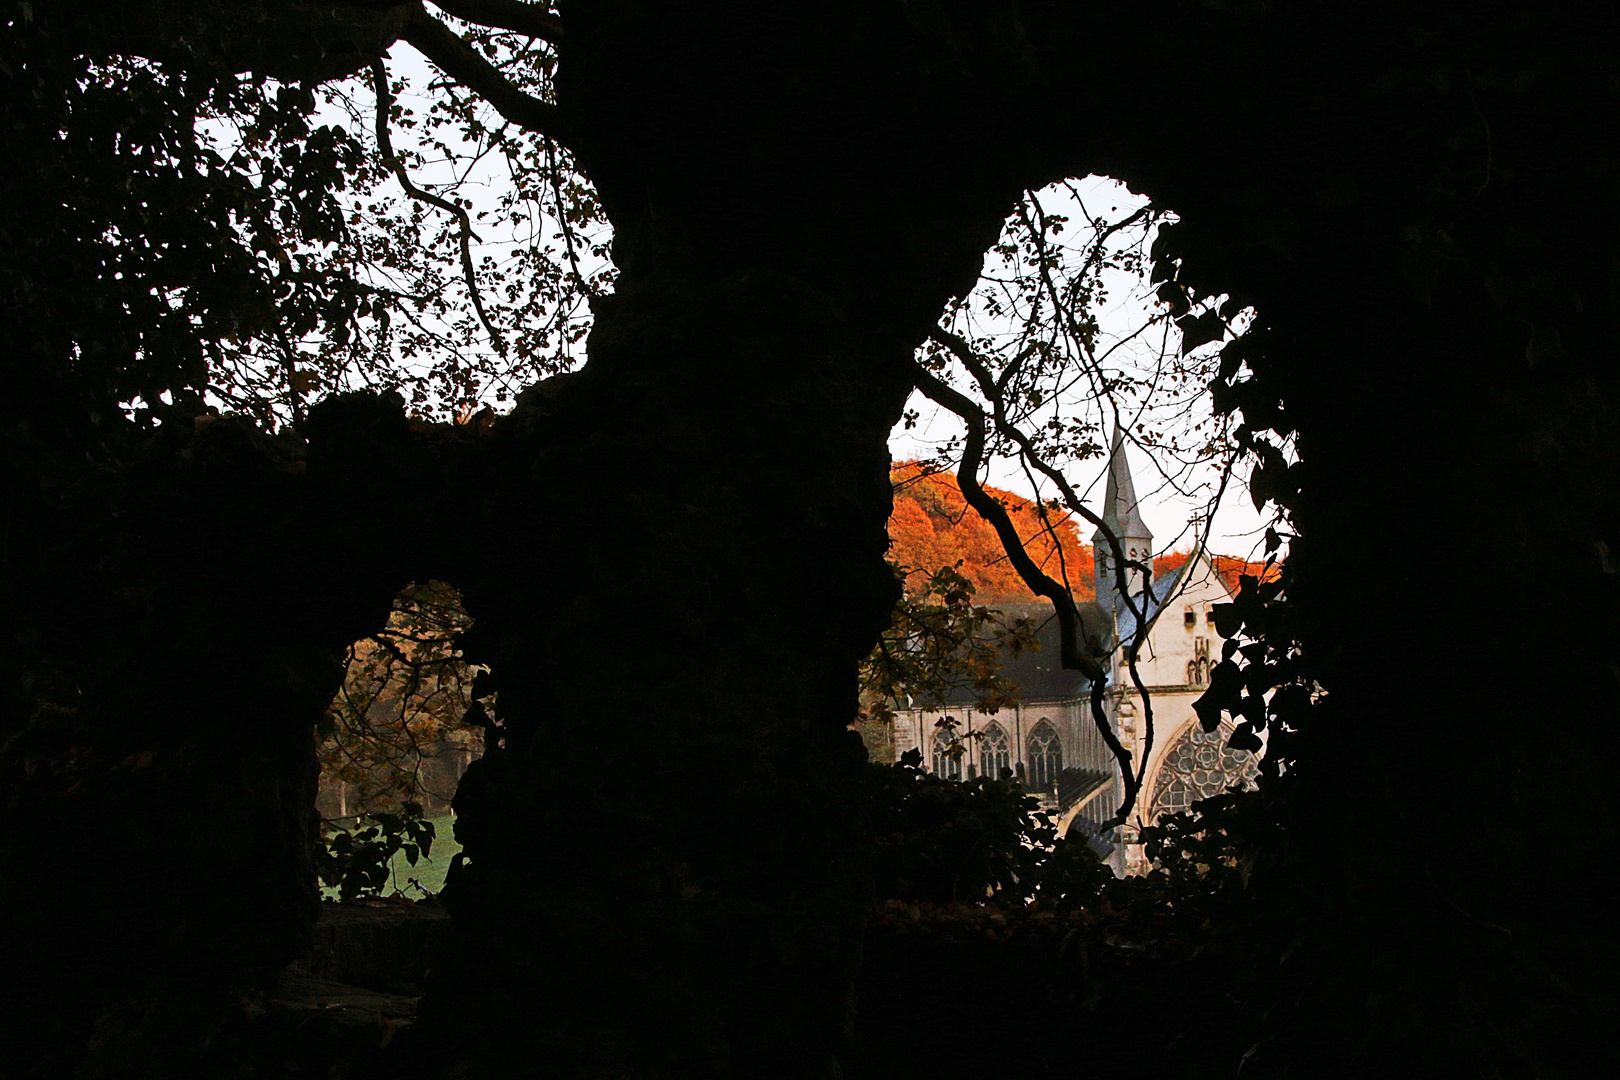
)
(995, 754)
(1198, 766)
(1045, 757)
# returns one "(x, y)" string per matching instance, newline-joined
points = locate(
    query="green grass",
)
(429, 870)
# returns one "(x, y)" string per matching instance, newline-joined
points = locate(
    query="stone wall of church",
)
(919, 728)
(1181, 648)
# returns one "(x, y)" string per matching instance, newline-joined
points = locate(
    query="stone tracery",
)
(1198, 766)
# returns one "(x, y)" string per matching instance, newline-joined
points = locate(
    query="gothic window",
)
(994, 752)
(1045, 757)
(1200, 765)
(948, 753)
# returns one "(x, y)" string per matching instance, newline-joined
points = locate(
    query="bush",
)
(356, 862)
(945, 841)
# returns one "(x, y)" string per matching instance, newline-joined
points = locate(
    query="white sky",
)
(1237, 528)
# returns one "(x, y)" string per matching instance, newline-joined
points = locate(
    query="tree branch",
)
(562, 219)
(1038, 581)
(385, 102)
(975, 444)
(461, 62)
(514, 15)
(992, 390)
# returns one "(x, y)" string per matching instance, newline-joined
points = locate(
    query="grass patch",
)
(430, 869)
(426, 878)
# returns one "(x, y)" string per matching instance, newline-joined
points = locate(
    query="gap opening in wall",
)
(393, 746)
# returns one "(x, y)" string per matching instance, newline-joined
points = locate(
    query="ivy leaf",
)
(1198, 330)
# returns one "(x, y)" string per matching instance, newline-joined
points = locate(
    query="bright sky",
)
(1237, 529)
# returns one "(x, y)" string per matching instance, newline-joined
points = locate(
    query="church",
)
(1049, 741)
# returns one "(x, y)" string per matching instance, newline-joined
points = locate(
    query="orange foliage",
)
(1167, 562)
(933, 526)
(1229, 567)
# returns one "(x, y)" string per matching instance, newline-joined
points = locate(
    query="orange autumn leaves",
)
(1231, 568)
(933, 526)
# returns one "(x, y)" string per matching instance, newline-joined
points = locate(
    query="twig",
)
(462, 62)
(385, 104)
(532, 20)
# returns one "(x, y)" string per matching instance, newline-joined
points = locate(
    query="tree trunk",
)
(1442, 344)
(662, 866)
(181, 614)
(682, 560)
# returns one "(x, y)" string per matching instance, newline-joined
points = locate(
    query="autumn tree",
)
(933, 526)
(403, 704)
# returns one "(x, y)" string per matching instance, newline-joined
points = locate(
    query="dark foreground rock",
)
(952, 991)
(345, 1009)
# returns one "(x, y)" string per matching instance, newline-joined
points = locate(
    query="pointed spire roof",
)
(1119, 504)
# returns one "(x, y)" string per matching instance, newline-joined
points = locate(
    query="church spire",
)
(1119, 504)
(1124, 519)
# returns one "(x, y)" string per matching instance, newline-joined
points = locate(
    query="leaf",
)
(1199, 330)
(1173, 297)
(1243, 738)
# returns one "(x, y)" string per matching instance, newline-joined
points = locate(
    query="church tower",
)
(1120, 514)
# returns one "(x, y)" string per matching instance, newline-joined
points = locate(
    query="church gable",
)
(1182, 643)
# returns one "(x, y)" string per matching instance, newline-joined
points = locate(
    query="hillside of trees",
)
(933, 526)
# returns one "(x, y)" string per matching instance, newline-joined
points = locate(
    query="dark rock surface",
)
(339, 1009)
(382, 945)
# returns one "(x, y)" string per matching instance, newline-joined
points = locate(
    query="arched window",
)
(1200, 765)
(994, 752)
(948, 753)
(1045, 757)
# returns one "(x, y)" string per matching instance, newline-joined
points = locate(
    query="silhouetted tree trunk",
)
(1445, 354)
(180, 615)
(664, 866)
(664, 863)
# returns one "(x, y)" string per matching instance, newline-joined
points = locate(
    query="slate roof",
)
(1161, 590)
(1075, 784)
(1038, 672)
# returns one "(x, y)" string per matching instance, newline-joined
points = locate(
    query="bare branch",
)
(1009, 538)
(532, 20)
(385, 101)
(1038, 581)
(562, 219)
(976, 367)
(461, 62)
